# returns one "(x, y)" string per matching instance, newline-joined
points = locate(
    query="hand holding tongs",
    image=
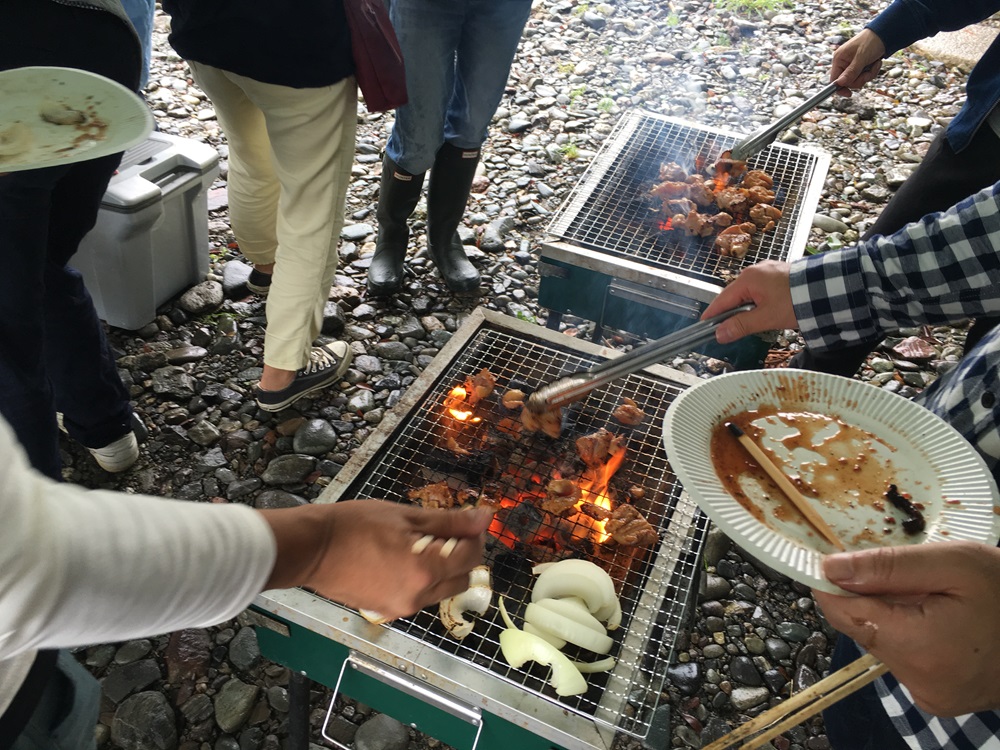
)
(765, 136)
(574, 387)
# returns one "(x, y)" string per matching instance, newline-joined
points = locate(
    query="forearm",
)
(942, 269)
(79, 567)
(907, 21)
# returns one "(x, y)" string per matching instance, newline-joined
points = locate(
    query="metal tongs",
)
(766, 135)
(570, 388)
(756, 142)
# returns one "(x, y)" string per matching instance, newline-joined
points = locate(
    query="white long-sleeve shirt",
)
(79, 567)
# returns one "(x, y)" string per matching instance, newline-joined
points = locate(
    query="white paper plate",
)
(931, 458)
(111, 118)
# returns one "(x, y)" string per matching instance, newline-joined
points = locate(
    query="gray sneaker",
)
(326, 364)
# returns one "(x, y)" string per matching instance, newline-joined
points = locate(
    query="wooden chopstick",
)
(786, 486)
(802, 705)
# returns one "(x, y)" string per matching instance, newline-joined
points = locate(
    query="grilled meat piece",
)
(596, 448)
(513, 399)
(672, 171)
(701, 192)
(560, 496)
(694, 224)
(677, 206)
(480, 386)
(595, 511)
(734, 242)
(628, 413)
(733, 200)
(759, 194)
(437, 495)
(721, 220)
(756, 177)
(764, 216)
(548, 421)
(629, 527)
(670, 190)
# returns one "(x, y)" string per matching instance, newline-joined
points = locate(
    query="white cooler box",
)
(151, 237)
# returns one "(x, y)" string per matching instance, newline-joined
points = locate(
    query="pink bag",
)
(378, 61)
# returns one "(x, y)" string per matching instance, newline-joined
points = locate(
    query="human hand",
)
(358, 552)
(931, 612)
(766, 285)
(857, 61)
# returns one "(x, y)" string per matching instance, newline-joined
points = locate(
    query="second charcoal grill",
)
(607, 259)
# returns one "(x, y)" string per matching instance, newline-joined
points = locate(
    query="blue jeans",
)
(457, 55)
(67, 712)
(140, 13)
(53, 352)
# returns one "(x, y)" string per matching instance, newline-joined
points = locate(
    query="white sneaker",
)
(118, 456)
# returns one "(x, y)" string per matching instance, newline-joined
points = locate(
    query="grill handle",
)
(402, 682)
(574, 387)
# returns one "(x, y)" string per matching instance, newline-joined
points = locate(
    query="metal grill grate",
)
(653, 599)
(610, 211)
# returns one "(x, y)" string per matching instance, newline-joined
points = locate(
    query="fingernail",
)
(839, 568)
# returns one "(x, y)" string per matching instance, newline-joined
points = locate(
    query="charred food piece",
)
(480, 386)
(437, 495)
(734, 242)
(765, 216)
(914, 523)
(756, 177)
(548, 421)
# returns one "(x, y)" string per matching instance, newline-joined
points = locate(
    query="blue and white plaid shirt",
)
(942, 269)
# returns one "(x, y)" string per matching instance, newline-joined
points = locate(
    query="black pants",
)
(53, 353)
(941, 180)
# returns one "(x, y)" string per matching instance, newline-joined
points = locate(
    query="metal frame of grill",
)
(606, 226)
(655, 589)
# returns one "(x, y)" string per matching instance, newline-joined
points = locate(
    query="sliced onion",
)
(518, 647)
(503, 613)
(575, 609)
(604, 665)
(579, 578)
(545, 636)
(567, 629)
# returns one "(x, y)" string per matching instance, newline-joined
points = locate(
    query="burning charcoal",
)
(476, 466)
(523, 520)
(510, 571)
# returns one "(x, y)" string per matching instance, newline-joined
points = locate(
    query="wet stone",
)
(233, 704)
(685, 677)
(289, 469)
(382, 732)
(244, 651)
(145, 721)
(129, 678)
(743, 670)
(793, 631)
(315, 438)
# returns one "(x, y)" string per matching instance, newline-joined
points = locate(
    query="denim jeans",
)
(140, 13)
(457, 55)
(67, 712)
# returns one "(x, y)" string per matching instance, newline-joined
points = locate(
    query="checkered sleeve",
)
(941, 269)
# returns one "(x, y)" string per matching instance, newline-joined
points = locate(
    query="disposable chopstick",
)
(786, 486)
(802, 705)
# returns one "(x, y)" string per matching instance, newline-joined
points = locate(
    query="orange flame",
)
(667, 225)
(595, 489)
(454, 403)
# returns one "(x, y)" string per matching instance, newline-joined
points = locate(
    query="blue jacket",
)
(302, 45)
(907, 21)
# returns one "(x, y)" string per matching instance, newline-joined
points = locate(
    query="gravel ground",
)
(755, 637)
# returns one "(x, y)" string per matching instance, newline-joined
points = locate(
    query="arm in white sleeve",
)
(80, 567)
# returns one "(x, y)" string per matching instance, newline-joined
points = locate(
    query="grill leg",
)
(298, 712)
(552, 322)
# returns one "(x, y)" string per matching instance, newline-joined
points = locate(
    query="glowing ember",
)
(667, 225)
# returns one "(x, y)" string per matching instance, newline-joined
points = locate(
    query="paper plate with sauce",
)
(51, 116)
(842, 442)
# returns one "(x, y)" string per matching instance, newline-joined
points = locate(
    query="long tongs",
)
(570, 388)
(766, 135)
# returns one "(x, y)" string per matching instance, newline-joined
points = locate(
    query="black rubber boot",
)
(397, 198)
(451, 182)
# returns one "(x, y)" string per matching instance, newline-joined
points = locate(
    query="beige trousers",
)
(290, 157)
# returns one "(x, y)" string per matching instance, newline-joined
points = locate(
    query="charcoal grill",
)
(464, 693)
(606, 259)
